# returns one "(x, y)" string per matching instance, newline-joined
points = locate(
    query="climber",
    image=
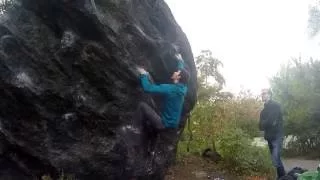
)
(173, 96)
(271, 123)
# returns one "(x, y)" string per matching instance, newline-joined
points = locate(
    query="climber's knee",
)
(142, 106)
(150, 116)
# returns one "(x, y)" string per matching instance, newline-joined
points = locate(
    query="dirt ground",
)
(197, 168)
(301, 162)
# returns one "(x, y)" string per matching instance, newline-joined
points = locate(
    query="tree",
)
(314, 19)
(297, 88)
(208, 67)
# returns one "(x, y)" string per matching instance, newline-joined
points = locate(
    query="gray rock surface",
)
(68, 87)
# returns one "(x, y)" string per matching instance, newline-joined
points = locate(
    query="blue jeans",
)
(275, 147)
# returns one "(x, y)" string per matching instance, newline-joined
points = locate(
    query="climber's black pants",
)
(145, 115)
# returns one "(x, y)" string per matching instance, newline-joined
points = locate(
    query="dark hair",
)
(185, 76)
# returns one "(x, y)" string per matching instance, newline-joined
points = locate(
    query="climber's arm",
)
(180, 61)
(153, 88)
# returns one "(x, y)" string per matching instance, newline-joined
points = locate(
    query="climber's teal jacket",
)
(173, 95)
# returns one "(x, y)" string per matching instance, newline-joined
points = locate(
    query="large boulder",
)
(69, 87)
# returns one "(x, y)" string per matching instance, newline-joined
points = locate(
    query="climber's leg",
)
(147, 114)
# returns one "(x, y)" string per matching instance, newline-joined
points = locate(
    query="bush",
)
(250, 127)
(205, 124)
(224, 120)
(240, 156)
(228, 127)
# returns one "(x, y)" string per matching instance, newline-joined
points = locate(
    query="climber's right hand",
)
(178, 57)
(141, 70)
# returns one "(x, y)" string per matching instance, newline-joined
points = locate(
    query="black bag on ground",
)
(293, 174)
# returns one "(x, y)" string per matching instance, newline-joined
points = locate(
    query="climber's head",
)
(180, 76)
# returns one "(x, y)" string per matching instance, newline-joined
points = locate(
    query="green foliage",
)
(245, 109)
(224, 122)
(239, 155)
(250, 127)
(214, 127)
(297, 88)
(207, 121)
(209, 67)
(208, 71)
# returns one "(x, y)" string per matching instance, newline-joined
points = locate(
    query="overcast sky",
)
(251, 37)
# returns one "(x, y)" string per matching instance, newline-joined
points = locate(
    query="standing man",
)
(271, 123)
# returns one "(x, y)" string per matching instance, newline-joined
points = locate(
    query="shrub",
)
(240, 156)
(250, 127)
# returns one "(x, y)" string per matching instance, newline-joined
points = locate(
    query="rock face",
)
(68, 87)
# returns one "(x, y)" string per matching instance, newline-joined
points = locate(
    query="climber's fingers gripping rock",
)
(142, 70)
(178, 57)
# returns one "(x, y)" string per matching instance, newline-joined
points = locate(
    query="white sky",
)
(251, 37)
